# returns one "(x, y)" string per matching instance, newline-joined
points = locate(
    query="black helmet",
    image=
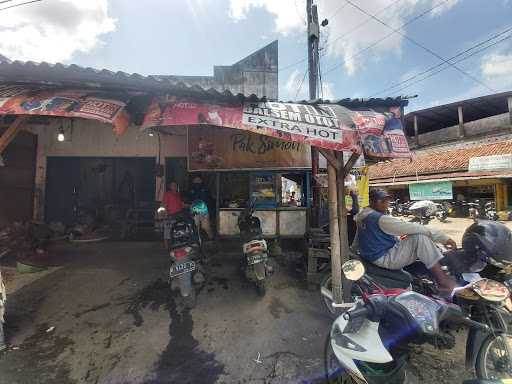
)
(490, 241)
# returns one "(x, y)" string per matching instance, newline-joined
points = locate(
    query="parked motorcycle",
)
(255, 263)
(490, 211)
(442, 213)
(187, 271)
(372, 341)
(423, 210)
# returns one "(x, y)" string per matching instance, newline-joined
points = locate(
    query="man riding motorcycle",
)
(391, 243)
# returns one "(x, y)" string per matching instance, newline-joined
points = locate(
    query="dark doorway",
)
(176, 170)
(97, 185)
(17, 179)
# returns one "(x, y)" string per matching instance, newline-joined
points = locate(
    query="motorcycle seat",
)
(388, 278)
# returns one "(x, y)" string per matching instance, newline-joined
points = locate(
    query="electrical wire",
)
(5, 1)
(457, 61)
(421, 46)
(364, 22)
(450, 59)
(377, 42)
(300, 85)
(340, 8)
(344, 35)
(20, 4)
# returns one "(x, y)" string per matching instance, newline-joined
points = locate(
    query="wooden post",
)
(315, 211)
(461, 121)
(416, 136)
(11, 132)
(335, 234)
(342, 222)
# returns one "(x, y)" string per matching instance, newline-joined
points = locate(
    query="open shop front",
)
(247, 167)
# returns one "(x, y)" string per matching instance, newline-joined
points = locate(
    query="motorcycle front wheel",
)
(335, 373)
(494, 361)
(261, 288)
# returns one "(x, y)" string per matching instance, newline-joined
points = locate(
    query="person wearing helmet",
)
(391, 243)
(199, 193)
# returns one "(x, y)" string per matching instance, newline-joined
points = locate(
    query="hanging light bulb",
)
(60, 135)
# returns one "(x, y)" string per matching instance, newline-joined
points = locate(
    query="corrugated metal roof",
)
(435, 163)
(73, 75)
(447, 115)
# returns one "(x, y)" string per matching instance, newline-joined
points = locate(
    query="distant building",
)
(466, 143)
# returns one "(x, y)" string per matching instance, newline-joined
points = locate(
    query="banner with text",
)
(105, 107)
(226, 149)
(327, 126)
(431, 191)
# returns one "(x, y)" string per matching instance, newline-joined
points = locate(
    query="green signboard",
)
(431, 191)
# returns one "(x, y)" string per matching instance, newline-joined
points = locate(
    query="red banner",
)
(328, 126)
(18, 100)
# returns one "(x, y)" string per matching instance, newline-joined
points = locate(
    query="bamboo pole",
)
(335, 234)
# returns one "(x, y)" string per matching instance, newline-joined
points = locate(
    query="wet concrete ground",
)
(116, 322)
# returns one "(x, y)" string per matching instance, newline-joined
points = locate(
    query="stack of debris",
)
(26, 241)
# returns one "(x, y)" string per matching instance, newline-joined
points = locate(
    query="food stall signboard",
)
(329, 126)
(431, 191)
(228, 149)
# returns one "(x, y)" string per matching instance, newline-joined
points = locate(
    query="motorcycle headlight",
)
(422, 309)
(490, 290)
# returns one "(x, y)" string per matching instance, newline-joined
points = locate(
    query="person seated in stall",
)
(391, 243)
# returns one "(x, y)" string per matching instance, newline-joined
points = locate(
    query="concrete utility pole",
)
(313, 39)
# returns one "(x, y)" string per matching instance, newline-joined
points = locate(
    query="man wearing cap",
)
(391, 243)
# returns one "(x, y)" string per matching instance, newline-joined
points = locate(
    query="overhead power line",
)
(18, 5)
(431, 74)
(377, 42)
(434, 67)
(421, 46)
(343, 35)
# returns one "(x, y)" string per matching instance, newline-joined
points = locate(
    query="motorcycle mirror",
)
(353, 270)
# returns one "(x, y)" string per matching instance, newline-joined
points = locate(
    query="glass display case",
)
(263, 189)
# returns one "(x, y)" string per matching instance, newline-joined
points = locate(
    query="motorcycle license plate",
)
(255, 259)
(179, 269)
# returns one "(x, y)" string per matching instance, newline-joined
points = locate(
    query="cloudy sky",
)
(402, 50)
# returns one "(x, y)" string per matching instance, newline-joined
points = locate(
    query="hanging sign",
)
(327, 126)
(491, 163)
(227, 149)
(431, 191)
(96, 105)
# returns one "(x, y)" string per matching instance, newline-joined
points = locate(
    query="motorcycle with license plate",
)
(187, 272)
(256, 262)
(371, 342)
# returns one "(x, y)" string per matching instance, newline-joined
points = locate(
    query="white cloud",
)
(289, 16)
(296, 87)
(328, 91)
(54, 30)
(497, 66)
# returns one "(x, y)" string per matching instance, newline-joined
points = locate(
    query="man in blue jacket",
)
(391, 243)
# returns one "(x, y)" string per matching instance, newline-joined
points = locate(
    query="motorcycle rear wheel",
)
(494, 360)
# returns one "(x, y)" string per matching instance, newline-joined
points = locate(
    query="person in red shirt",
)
(172, 199)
